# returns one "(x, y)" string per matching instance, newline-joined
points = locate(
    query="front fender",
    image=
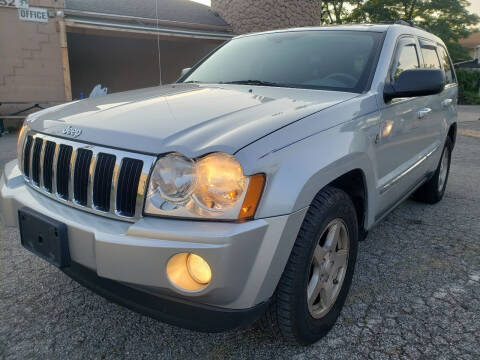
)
(299, 162)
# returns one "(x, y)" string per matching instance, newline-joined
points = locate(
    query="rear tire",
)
(322, 261)
(433, 190)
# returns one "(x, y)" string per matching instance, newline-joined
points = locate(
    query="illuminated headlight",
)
(213, 186)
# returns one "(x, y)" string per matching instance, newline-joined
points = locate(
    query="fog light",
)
(188, 271)
(199, 269)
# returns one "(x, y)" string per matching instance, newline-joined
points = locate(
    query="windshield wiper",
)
(253, 82)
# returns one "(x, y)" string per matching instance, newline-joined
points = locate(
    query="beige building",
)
(472, 43)
(30, 57)
(58, 50)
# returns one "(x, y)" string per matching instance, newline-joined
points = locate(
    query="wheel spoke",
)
(341, 258)
(318, 255)
(332, 237)
(314, 287)
(328, 292)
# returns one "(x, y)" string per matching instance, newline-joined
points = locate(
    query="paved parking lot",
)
(416, 293)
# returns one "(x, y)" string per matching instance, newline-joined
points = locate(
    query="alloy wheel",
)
(328, 268)
(443, 172)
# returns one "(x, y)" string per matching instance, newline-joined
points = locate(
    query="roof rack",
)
(408, 23)
(405, 22)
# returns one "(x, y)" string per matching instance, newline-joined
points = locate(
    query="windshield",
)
(328, 59)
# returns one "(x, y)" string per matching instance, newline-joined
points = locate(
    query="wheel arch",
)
(452, 133)
(353, 174)
(354, 184)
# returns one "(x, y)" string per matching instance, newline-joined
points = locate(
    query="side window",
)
(430, 57)
(447, 65)
(406, 59)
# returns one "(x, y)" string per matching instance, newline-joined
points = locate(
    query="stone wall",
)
(259, 15)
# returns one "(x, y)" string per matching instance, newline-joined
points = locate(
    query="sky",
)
(207, 2)
(474, 5)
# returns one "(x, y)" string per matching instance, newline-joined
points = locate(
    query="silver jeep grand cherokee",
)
(242, 190)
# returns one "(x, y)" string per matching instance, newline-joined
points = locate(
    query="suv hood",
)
(193, 119)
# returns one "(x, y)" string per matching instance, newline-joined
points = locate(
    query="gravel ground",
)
(415, 295)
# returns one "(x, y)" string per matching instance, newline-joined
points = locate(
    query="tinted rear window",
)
(447, 65)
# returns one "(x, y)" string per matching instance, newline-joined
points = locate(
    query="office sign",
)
(33, 14)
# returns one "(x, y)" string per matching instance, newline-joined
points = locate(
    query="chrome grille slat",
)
(41, 163)
(69, 172)
(54, 169)
(91, 176)
(30, 156)
(114, 188)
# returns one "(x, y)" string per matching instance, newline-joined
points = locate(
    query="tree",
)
(336, 11)
(448, 19)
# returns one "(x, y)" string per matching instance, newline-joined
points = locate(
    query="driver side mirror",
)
(415, 82)
(184, 71)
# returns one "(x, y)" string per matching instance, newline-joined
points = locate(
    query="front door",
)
(406, 134)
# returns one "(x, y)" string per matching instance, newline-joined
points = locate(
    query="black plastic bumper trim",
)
(177, 312)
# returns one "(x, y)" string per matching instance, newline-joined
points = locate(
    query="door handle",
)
(422, 113)
(447, 102)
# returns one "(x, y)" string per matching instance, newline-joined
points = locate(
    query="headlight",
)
(213, 186)
(20, 142)
(174, 178)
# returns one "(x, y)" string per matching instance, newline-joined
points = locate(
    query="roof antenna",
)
(158, 46)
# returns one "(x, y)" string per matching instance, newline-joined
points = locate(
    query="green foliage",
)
(469, 82)
(448, 19)
(471, 98)
(457, 52)
(337, 11)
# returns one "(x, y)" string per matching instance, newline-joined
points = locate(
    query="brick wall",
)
(259, 15)
(30, 58)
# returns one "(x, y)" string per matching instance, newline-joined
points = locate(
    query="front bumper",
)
(247, 259)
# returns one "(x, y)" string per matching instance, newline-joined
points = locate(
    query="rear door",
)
(450, 93)
(434, 105)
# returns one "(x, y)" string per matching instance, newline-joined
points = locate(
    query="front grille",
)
(37, 149)
(102, 183)
(26, 156)
(48, 165)
(93, 178)
(82, 170)
(63, 170)
(129, 176)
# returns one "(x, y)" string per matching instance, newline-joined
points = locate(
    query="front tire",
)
(433, 190)
(318, 274)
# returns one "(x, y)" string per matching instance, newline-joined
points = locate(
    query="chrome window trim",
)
(400, 176)
(148, 162)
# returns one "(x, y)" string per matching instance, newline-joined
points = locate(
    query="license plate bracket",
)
(44, 236)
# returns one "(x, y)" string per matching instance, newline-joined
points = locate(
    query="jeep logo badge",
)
(71, 131)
